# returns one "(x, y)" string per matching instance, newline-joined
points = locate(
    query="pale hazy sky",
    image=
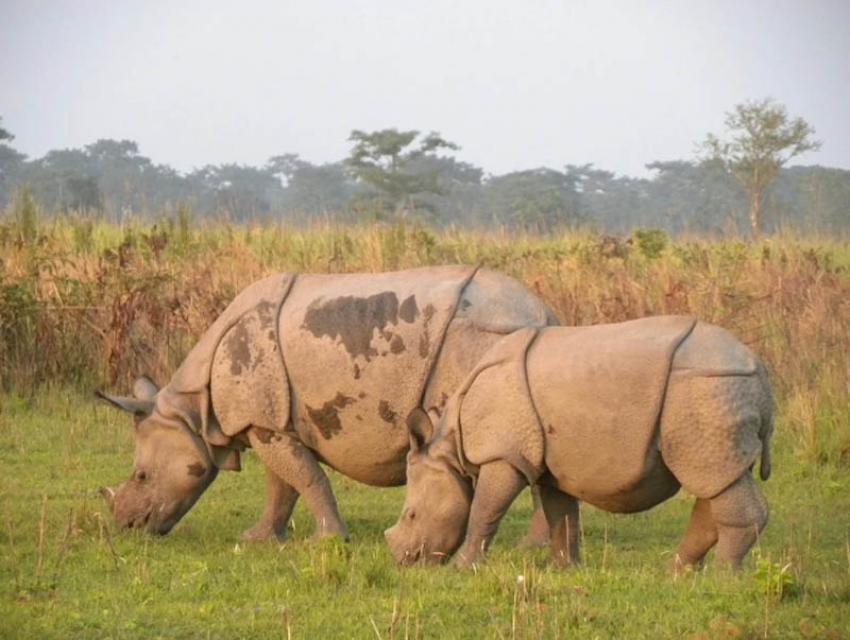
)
(517, 84)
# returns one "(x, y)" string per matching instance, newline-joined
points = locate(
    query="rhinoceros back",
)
(359, 350)
(340, 360)
(492, 305)
(599, 391)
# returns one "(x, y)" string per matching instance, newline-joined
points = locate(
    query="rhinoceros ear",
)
(145, 389)
(420, 428)
(138, 408)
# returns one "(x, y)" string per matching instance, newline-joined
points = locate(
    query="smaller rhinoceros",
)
(618, 415)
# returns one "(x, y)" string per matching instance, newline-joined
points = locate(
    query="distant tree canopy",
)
(395, 170)
(391, 173)
(10, 164)
(761, 140)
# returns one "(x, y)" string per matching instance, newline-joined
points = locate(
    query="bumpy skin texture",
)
(324, 368)
(619, 416)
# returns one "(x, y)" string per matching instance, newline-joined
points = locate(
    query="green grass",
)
(66, 573)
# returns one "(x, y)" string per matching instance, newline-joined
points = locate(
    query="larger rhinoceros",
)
(307, 369)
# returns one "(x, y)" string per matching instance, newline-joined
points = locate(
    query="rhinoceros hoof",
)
(341, 534)
(534, 541)
(468, 562)
(262, 534)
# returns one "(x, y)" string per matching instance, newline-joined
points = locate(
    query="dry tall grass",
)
(89, 303)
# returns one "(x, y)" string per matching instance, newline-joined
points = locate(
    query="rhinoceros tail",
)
(764, 467)
(767, 422)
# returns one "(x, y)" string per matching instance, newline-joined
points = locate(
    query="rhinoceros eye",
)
(411, 515)
(140, 476)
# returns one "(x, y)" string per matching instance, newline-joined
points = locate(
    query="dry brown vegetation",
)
(87, 303)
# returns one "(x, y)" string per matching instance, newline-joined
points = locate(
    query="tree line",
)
(738, 183)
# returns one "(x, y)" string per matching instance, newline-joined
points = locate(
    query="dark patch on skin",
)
(408, 309)
(465, 304)
(297, 449)
(326, 417)
(397, 344)
(353, 320)
(271, 335)
(425, 337)
(265, 312)
(551, 429)
(356, 371)
(359, 417)
(237, 348)
(361, 395)
(196, 469)
(387, 414)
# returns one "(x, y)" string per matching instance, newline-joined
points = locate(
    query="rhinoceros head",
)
(436, 507)
(172, 466)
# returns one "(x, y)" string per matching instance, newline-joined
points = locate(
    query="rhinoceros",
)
(619, 416)
(307, 369)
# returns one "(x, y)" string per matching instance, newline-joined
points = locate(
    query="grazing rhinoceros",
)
(308, 369)
(617, 415)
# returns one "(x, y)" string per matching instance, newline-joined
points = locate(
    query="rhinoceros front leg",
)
(499, 483)
(562, 515)
(280, 501)
(296, 465)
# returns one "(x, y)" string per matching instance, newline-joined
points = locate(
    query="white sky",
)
(517, 84)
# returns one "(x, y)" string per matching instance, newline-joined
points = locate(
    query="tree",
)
(238, 191)
(4, 134)
(11, 163)
(311, 189)
(537, 199)
(386, 161)
(693, 197)
(761, 140)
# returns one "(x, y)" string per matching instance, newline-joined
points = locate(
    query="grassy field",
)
(66, 573)
(84, 304)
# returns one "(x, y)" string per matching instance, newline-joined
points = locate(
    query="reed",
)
(85, 302)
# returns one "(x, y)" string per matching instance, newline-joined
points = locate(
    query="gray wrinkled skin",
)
(620, 416)
(310, 370)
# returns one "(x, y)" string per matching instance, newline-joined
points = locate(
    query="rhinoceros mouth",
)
(410, 557)
(419, 556)
(141, 522)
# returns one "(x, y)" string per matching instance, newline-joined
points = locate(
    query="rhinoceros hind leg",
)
(280, 501)
(740, 512)
(562, 516)
(499, 483)
(699, 537)
(538, 528)
(296, 465)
